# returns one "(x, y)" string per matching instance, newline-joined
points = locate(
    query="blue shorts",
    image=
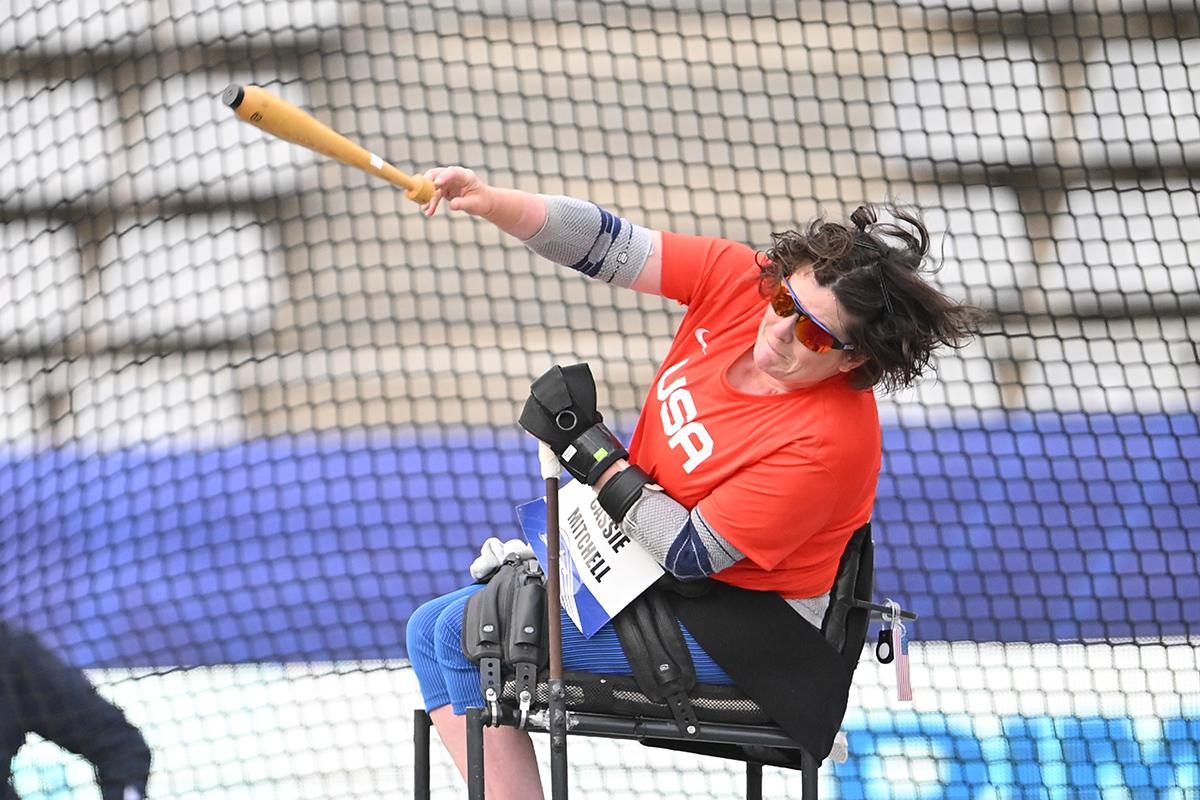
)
(446, 676)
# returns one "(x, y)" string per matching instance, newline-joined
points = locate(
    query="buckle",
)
(489, 682)
(525, 700)
(493, 704)
(525, 683)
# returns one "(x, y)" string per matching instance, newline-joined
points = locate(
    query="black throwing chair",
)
(731, 724)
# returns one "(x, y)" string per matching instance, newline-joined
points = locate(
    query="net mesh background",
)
(256, 407)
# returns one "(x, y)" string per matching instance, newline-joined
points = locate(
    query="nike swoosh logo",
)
(700, 332)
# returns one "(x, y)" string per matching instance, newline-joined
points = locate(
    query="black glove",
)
(561, 411)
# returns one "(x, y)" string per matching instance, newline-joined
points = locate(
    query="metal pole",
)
(808, 776)
(753, 781)
(475, 754)
(421, 724)
(558, 699)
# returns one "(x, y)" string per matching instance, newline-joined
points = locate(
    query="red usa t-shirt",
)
(785, 478)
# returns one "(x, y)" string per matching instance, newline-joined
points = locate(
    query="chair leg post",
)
(421, 723)
(475, 754)
(559, 784)
(558, 695)
(808, 776)
(753, 781)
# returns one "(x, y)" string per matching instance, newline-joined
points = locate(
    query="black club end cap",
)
(233, 96)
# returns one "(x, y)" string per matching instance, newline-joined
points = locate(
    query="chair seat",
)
(732, 725)
(619, 695)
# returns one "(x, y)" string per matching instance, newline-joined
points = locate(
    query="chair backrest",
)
(845, 625)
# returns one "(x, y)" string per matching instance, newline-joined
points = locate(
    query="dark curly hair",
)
(897, 319)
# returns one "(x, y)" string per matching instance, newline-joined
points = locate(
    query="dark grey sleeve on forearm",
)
(586, 238)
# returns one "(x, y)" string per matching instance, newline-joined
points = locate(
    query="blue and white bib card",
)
(601, 570)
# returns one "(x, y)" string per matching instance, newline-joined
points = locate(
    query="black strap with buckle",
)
(504, 631)
(662, 666)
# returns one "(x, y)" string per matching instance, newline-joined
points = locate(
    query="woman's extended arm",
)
(570, 232)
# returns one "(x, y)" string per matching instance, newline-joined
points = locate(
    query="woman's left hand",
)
(493, 553)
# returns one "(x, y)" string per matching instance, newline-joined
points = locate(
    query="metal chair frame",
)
(558, 722)
(609, 726)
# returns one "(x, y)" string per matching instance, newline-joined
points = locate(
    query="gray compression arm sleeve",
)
(585, 237)
(682, 542)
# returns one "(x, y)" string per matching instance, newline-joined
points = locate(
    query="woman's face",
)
(782, 359)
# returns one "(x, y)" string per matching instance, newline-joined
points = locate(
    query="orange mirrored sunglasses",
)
(810, 333)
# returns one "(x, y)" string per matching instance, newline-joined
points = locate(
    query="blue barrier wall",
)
(1027, 758)
(1021, 527)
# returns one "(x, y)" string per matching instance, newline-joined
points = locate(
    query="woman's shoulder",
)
(699, 268)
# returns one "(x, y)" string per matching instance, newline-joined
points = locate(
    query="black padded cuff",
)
(622, 491)
(594, 451)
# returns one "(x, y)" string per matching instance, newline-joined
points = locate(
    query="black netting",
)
(256, 408)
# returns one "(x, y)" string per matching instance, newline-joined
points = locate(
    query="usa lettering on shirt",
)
(678, 415)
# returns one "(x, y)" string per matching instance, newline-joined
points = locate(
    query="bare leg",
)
(510, 769)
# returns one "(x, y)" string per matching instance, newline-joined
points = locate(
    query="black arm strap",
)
(622, 491)
(592, 452)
